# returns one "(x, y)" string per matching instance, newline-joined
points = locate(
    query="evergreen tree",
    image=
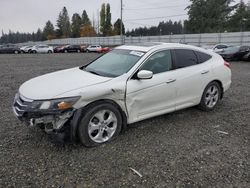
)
(76, 25)
(103, 19)
(48, 30)
(108, 24)
(240, 20)
(85, 19)
(63, 24)
(208, 15)
(105, 14)
(117, 27)
(39, 35)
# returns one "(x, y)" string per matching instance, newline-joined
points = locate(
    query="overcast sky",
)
(29, 15)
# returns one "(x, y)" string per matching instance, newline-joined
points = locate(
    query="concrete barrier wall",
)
(209, 39)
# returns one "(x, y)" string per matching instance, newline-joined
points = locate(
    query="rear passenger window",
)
(202, 56)
(185, 58)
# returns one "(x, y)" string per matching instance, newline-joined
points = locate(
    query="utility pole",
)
(121, 22)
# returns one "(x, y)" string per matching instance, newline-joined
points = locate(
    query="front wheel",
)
(101, 123)
(211, 96)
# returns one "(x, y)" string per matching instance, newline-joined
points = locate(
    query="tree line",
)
(204, 16)
(77, 26)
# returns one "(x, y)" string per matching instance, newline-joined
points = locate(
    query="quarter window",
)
(185, 58)
(159, 62)
(202, 57)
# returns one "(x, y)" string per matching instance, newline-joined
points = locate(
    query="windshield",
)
(114, 63)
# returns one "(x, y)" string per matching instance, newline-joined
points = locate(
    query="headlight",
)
(56, 104)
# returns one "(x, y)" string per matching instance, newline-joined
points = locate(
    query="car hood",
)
(51, 85)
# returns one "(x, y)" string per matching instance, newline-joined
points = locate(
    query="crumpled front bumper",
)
(53, 122)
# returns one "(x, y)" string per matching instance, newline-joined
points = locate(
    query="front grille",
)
(21, 105)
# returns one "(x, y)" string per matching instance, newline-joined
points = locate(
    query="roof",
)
(145, 47)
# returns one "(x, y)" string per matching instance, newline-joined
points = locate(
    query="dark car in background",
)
(58, 49)
(235, 53)
(71, 48)
(9, 49)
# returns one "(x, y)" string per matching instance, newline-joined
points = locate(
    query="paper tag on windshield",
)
(137, 53)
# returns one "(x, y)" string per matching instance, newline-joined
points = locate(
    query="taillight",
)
(227, 64)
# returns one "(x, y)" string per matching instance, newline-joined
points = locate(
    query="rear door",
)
(193, 72)
(155, 96)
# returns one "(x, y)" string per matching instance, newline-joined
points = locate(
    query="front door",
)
(155, 96)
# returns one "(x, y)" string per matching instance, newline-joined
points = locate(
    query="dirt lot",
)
(181, 149)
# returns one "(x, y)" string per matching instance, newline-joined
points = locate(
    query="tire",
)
(210, 97)
(87, 51)
(34, 51)
(94, 129)
(78, 51)
(49, 52)
(16, 52)
(65, 51)
(29, 51)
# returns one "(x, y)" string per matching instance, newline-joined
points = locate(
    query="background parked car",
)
(104, 50)
(42, 49)
(26, 49)
(83, 48)
(9, 49)
(58, 49)
(94, 48)
(220, 47)
(72, 48)
(235, 53)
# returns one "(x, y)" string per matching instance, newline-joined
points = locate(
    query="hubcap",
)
(102, 126)
(212, 96)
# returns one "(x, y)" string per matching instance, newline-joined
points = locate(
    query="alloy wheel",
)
(212, 96)
(102, 126)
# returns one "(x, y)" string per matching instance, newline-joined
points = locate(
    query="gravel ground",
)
(181, 149)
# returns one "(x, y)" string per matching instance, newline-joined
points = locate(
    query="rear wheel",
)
(78, 51)
(49, 52)
(65, 51)
(101, 123)
(16, 52)
(211, 96)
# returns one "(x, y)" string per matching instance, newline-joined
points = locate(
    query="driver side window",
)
(159, 62)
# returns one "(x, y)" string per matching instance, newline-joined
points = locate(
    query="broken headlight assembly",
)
(55, 104)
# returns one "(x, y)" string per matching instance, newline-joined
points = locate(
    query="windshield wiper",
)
(93, 72)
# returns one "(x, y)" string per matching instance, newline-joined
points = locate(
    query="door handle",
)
(171, 81)
(205, 72)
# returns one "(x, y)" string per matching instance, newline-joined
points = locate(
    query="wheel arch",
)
(80, 113)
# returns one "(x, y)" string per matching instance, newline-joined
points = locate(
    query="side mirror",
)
(144, 74)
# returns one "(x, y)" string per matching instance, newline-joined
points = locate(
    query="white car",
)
(26, 49)
(94, 48)
(220, 48)
(129, 84)
(42, 49)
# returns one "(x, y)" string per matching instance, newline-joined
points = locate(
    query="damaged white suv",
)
(95, 102)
